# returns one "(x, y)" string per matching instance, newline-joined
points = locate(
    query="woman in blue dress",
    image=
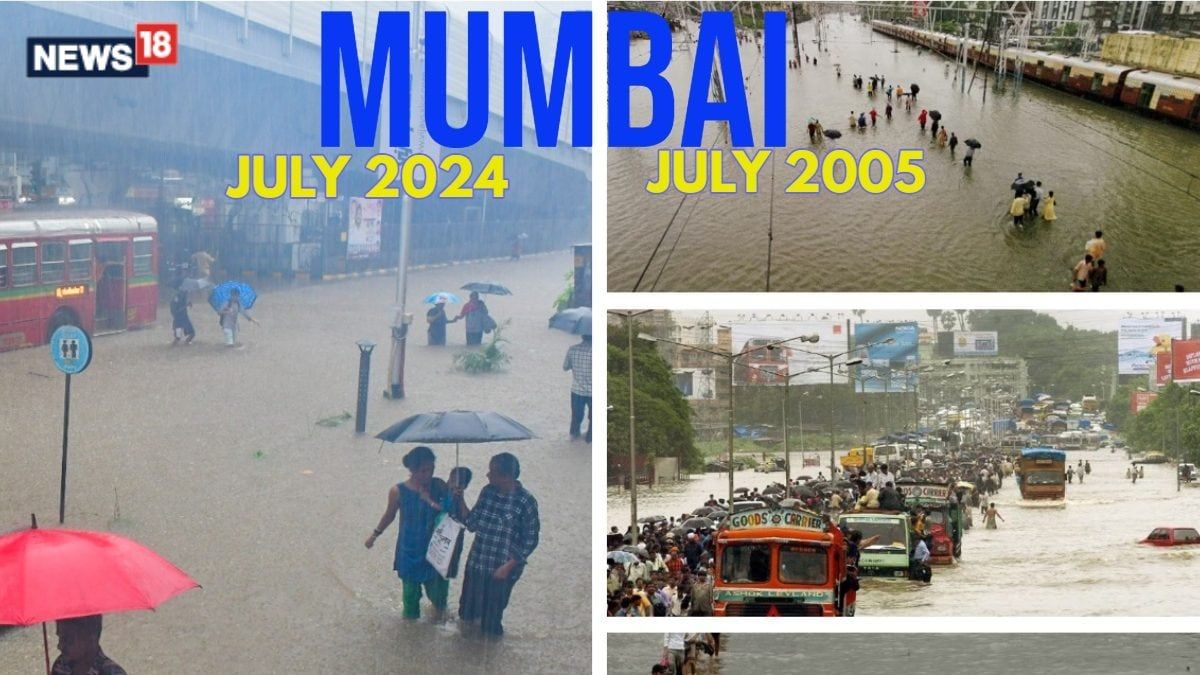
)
(414, 503)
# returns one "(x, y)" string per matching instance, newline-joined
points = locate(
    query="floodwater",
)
(1081, 559)
(995, 654)
(213, 459)
(1136, 179)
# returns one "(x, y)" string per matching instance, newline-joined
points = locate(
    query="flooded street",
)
(212, 458)
(1096, 654)
(1136, 179)
(1081, 559)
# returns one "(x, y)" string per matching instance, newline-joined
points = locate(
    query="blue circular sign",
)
(71, 349)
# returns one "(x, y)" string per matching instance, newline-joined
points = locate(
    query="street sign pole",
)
(62, 485)
(71, 351)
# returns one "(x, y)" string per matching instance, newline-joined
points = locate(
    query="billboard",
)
(1140, 341)
(773, 366)
(362, 237)
(1162, 372)
(1138, 400)
(976, 343)
(884, 364)
(1185, 361)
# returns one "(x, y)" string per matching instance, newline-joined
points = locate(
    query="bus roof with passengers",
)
(778, 562)
(1041, 473)
(96, 270)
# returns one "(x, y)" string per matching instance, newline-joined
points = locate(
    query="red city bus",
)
(95, 270)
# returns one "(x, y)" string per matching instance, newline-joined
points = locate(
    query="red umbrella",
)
(47, 575)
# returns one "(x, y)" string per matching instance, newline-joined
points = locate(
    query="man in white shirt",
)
(674, 645)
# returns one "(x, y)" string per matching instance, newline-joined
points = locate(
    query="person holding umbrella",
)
(229, 317)
(476, 314)
(417, 508)
(79, 648)
(436, 316)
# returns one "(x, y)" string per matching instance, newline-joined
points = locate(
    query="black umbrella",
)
(487, 288)
(972, 143)
(1021, 183)
(935, 114)
(914, 89)
(697, 524)
(804, 492)
(842, 484)
(456, 426)
(577, 321)
(704, 510)
(832, 133)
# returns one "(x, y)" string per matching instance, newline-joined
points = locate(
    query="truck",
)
(889, 555)
(1041, 473)
(943, 520)
(857, 458)
(778, 562)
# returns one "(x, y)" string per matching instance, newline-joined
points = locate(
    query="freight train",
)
(1170, 97)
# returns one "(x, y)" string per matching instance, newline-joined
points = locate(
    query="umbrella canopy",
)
(704, 510)
(47, 575)
(803, 492)
(441, 296)
(914, 88)
(935, 114)
(456, 426)
(1021, 183)
(697, 524)
(652, 519)
(622, 557)
(193, 285)
(577, 321)
(790, 503)
(220, 295)
(832, 133)
(487, 288)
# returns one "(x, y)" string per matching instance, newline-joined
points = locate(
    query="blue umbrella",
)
(577, 321)
(456, 426)
(441, 296)
(220, 295)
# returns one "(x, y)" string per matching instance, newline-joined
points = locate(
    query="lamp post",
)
(730, 359)
(853, 362)
(633, 528)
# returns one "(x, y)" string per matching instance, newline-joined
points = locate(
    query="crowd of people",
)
(669, 571)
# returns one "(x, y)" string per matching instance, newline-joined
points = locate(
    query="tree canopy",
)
(664, 425)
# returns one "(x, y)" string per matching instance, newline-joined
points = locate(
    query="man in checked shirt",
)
(506, 526)
(579, 362)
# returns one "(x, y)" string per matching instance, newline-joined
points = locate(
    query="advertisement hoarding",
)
(362, 238)
(771, 366)
(976, 343)
(1138, 400)
(884, 365)
(1140, 341)
(1162, 371)
(1185, 361)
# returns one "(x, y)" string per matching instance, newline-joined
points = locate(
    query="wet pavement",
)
(1077, 559)
(212, 458)
(1135, 178)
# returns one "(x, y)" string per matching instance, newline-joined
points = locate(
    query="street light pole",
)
(633, 528)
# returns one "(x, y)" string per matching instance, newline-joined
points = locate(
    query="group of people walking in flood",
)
(1091, 273)
(506, 526)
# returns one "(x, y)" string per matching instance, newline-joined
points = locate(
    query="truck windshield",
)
(1044, 478)
(892, 533)
(935, 518)
(802, 565)
(746, 564)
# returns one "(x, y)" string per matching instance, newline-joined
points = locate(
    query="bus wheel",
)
(63, 316)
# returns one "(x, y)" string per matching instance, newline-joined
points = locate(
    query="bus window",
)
(143, 254)
(54, 255)
(3, 266)
(24, 264)
(81, 259)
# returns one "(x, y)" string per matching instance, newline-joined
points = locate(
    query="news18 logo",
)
(152, 44)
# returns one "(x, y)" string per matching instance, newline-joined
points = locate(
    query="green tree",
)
(664, 426)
